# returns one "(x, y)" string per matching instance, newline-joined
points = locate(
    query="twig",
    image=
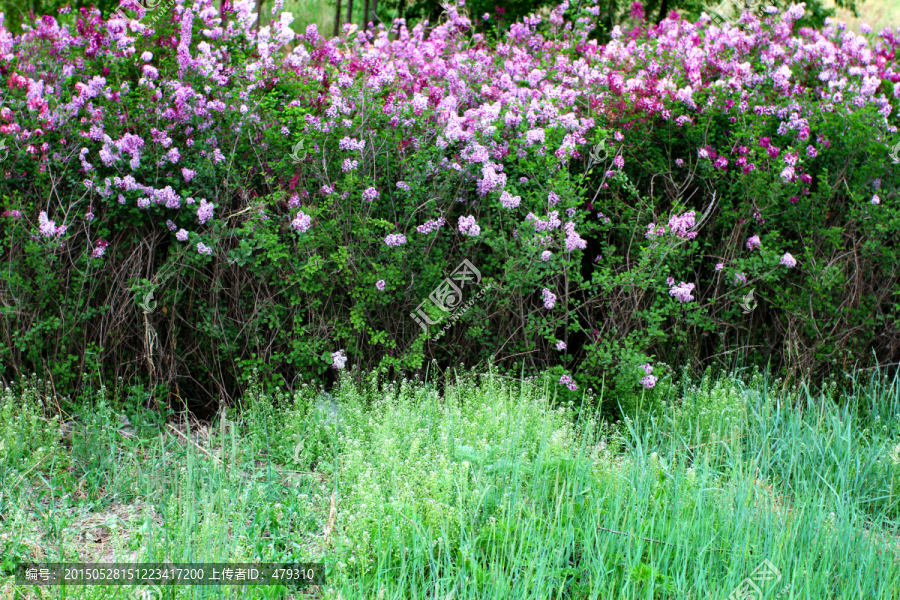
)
(212, 456)
(666, 543)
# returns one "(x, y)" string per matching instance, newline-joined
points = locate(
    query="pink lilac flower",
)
(403, 185)
(509, 201)
(619, 161)
(339, 361)
(679, 162)
(560, 346)
(740, 277)
(670, 281)
(876, 199)
(811, 151)
(182, 235)
(430, 226)
(172, 226)
(788, 260)
(552, 198)
(203, 248)
(573, 240)
(648, 382)
(753, 243)
(549, 299)
(720, 266)
(13, 214)
(680, 225)
(302, 222)
(682, 292)
(370, 194)
(647, 368)
(545, 255)
(395, 239)
(380, 284)
(567, 381)
(100, 250)
(188, 174)
(349, 165)
(468, 227)
(205, 212)
(48, 228)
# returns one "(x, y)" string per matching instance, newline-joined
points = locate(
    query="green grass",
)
(484, 490)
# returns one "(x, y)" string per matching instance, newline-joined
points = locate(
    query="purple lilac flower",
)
(182, 235)
(753, 243)
(370, 194)
(100, 250)
(395, 239)
(740, 277)
(403, 185)
(429, 226)
(302, 222)
(682, 292)
(48, 228)
(509, 201)
(172, 226)
(647, 368)
(203, 248)
(338, 359)
(205, 212)
(560, 346)
(876, 199)
(670, 281)
(720, 266)
(468, 227)
(549, 299)
(648, 382)
(567, 381)
(545, 255)
(788, 260)
(380, 284)
(13, 214)
(188, 174)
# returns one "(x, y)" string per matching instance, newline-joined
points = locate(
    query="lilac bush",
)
(194, 124)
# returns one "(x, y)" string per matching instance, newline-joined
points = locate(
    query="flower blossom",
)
(549, 299)
(788, 260)
(468, 227)
(682, 292)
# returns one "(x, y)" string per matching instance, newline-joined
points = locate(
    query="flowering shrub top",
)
(346, 157)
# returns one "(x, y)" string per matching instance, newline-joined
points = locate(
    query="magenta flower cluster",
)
(468, 227)
(549, 298)
(567, 381)
(395, 239)
(682, 292)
